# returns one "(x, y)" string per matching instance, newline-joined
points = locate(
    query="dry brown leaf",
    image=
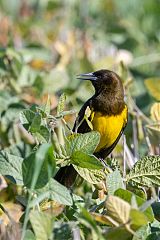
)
(118, 209)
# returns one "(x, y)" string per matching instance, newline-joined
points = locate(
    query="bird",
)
(108, 116)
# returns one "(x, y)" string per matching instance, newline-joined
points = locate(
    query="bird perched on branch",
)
(108, 116)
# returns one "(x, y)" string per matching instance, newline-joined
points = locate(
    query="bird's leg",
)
(106, 166)
(103, 162)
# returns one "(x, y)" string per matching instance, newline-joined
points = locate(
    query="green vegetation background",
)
(43, 45)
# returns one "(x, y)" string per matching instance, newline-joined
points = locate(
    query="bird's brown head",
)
(103, 80)
(109, 94)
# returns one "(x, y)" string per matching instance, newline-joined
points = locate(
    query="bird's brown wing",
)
(66, 176)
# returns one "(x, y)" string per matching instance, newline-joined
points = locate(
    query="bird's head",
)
(103, 80)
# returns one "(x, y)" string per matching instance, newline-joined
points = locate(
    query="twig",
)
(141, 114)
(124, 157)
(79, 124)
(135, 139)
(7, 213)
(68, 127)
(129, 156)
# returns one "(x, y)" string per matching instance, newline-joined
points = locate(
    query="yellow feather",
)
(108, 126)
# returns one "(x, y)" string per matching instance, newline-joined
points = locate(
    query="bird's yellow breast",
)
(108, 126)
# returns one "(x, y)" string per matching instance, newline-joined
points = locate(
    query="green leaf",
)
(153, 236)
(39, 167)
(54, 191)
(127, 196)
(84, 160)
(155, 230)
(114, 181)
(12, 113)
(6, 99)
(142, 233)
(42, 224)
(29, 235)
(145, 172)
(156, 210)
(11, 166)
(86, 142)
(35, 125)
(90, 175)
(26, 116)
(42, 135)
(63, 230)
(47, 108)
(155, 225)
(118, 233)
(20, 149)
(137, 191)
(153, 86)
(61, 104)
(87, 220)
(138, 219)
(32, 122)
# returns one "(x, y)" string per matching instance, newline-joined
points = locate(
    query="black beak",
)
(87, 76)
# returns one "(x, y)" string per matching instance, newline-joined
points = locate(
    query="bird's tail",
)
(66, 176)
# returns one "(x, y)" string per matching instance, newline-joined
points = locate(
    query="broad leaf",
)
(153, 236)
(86, 142)
(127, 196)
(114, 181)
(156, 210)
(87, 220)
(84, 160)
(42, 135)
(6, 99)
(63, 230)
(36, 122)
(145, 172)
(117, 234)
(29, 235)
(61, 104)
(53, 191)
(11, 166)
(142, 233)
(26, 116)
(47, 107)
(32, 121)
(90, 175)
(118, 209)
(138, 219)
(20, 149)
(42, 224)
(39, 167)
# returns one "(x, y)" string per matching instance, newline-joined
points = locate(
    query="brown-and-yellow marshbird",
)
(108, 117)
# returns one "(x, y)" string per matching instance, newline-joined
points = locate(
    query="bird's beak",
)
(87, 76)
